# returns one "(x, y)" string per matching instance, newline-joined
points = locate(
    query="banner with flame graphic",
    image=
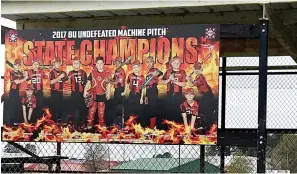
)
(146, 84)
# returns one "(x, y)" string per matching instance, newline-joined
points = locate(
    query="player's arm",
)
(127, 83)
(142, 91)
(108, 91)
(88, 84)
(18, 81)
(193, 119)
(24, 113)
(183, 82)
(69, 77)
(166, 80)
(184, 115)
(33, 106)
(54, 80)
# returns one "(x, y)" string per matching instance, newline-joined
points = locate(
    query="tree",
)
(283, 156)
(164, 155)
(239, 164)
(95, 157)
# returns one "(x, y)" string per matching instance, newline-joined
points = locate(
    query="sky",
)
(241, 109)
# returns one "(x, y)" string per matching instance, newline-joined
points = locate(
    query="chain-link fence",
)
(241, 118)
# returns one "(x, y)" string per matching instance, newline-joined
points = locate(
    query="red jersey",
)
(78, 80)
(15, 76)
(120, 77)
(36, 78)
(179, 76)
(96, 79)
(188, 109)
(29, 102)
(201, 84)
(135, 82)
(59, 85)
(154, 82)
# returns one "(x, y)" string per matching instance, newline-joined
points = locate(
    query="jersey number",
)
(135, 83)
(77, 79)
(188, 112)
(36, 80)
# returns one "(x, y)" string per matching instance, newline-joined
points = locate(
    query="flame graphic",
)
(45, 129)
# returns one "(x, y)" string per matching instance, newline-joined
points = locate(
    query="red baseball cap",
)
(57, 60)
(118, 59)
(29, 87)
(17, 61)
(189, 90)
(198, 65)
(136, 62)
(36, 60)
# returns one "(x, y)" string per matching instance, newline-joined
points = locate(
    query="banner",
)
(147, 84)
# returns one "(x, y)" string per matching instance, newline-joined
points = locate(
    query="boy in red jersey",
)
(99, 90)
(151, 92)
(133, 84)
(16, 78)
(119, 84)
(36, 76)
(206, 100)
(78, 79)
(28, 104)
(175, 79)
(189, 109)
(57, 78)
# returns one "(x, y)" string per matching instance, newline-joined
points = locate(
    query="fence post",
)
(58, 167)
(223, 112)
(262, 95)
(202, 158)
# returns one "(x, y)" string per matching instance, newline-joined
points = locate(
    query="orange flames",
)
(45, 129)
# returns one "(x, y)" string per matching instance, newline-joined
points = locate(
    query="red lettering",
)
(153, 42)
(99, 49)
(128, 48)
(85, 48)
(49, 54)
(69, 51)
(29, 55)
(178, 45)
(142, 48)
(192, 55)
(163, 50)
(112, 51)
(60, 51)
(39, 47)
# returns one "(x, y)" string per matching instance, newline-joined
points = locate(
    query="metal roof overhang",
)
(80, 14)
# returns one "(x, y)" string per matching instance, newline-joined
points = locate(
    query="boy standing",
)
(100, 92)
(78, 80)
(133, 84)
(57, 78)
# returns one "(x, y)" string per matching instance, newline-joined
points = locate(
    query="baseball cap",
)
(189, 90)
(17, 61)
(29, 87)
(197, 65)
(136, 62)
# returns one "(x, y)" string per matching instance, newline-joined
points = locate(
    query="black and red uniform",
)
(29, 103)
(78, 80)
(134, 107)
(14, 98)
(206, 100)
(57, 100)
(36, 78)
(152, 96)
(190, 111)
(174, 94)
(99, 97)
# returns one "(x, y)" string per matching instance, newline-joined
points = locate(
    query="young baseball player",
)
(100, 91)
(28, 104)
(189, 109)
(16, 78)
(57, 78)
(175, 79)
(78, 79)
(36, 76)
(206, 99)
(151, 92)
(133, 84)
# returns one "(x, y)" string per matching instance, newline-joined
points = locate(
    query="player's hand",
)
(146, 100)
(62, 76)
(141, 101)
(171, 77)
(123, 94)
(107, 97)
(86, 94)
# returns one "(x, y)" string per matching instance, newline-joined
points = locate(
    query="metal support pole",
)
(202, 158)
(58, 167)
(262, 96)
(223, 113)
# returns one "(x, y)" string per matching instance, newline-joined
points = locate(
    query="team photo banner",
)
(146, 84)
